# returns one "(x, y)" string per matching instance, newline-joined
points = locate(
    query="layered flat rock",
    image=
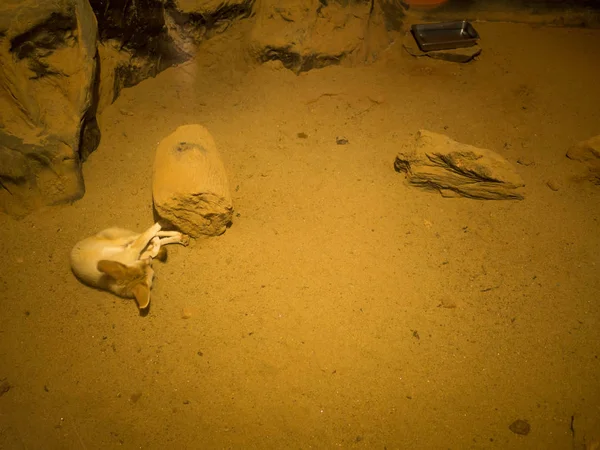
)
(436, 162)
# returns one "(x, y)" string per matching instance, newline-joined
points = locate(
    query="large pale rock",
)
(47, 117)
(588, 153)
(189, 185)
(434, 161)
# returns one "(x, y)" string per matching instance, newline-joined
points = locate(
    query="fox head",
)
(133, 280)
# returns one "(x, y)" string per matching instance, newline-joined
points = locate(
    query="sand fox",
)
(119, 260)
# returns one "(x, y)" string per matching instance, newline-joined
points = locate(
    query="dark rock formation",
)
(436, 162)
(141, 39)
(135, 43)
(47, 121)
(190, 22)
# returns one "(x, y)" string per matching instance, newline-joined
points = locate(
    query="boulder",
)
(189, 183)
(588, 153)
(312, 34)
(434, 161)
(47, 103)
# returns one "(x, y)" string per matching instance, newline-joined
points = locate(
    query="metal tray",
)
(445, 35)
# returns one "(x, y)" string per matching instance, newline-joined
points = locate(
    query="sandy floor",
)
(342, 308)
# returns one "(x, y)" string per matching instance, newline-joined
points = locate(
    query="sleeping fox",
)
(120, 260)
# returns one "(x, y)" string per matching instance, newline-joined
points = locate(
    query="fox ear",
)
(114, 269)
(141, 293)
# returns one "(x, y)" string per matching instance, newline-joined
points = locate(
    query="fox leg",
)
(141, 242)
(173, 237)
(152, 249)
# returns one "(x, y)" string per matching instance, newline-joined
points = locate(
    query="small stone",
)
(521, 427)
(302, 135)
(448, 303)
(186, 313)
(525, 161)
(552, 184)
(135, 397)
(341, 141)
(377, 99)
(4, 387)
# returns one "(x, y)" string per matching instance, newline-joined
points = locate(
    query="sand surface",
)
(343, 308)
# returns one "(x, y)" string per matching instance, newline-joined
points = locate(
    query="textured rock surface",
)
(47, 116)
(190, 22)
(588, 153)
(312, 34)
(434, 161)
(189, 185)
(135, 44)
(141, 39)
